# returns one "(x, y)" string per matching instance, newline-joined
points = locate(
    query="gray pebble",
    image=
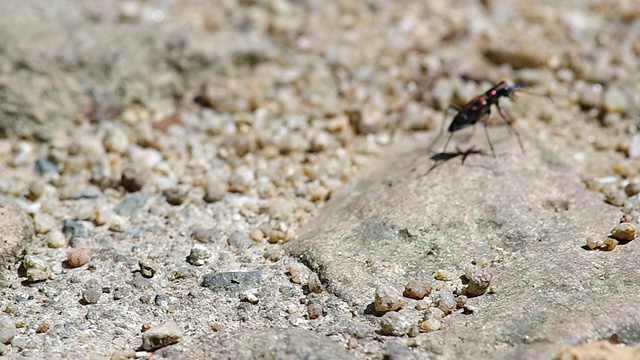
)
(139, 281)
(394, 323)
(44, 166)
(93, 314)
(198, 255)
(232, 282)
(615, 100)
(479, 281)
(205, 235)
(175, 196)
(132, 180)
(388, 298)
(216, 189)
(74, 229)
(162, 300)
(44, 223)
(160, 336)
(19, 343)
(119, 293)
(92, 292)
(634, 147)
(131, 204)
(445, 301)
(240, 241)
(7, 329)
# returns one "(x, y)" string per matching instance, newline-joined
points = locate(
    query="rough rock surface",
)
(400, 221)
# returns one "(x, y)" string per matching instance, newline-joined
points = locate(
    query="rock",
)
(240, 241)
(147, 269)
(45, 166)
(7, 329)
(160, 336)
(56, 239)
(74, 229)
(464, 212)
(36, 268)
(388, 298)
(132, 180)
(417, 289)
(599, 350)
(92, 292)
(44, 223)
(131, 204)
(314, 310)
(625, 231)
(198, 255)
(232, 282)
(394, 323)
(288, 343)
(175, 195)
(79, 256)
(216, 189)
(444, 300)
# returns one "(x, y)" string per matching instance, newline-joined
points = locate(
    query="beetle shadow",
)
(441, 158)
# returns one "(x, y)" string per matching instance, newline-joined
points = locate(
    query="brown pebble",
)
(624, 231)
(417, 289)
(78, 256)
(609, 244)
(43, 328)
(314, 310)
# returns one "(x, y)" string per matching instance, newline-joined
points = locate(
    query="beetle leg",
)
(508, 121)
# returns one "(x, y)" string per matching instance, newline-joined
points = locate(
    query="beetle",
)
(479, 109)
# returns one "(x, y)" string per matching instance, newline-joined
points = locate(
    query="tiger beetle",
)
(479, 109)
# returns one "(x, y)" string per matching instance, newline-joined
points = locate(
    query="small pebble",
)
(298, 273)
(314, 284)
(417, 289)
(216, 189)
(123, 354)
(7, 329)
(198, 255)
(74, 229)
(240, 241)
(56, 239)
(634, 147)
(132, 180)
(609, 244)
(592, 243)
(160, 336)
(44, 166)
(92, 292)
(431, 324)
(175, 196)
(394, 323)
(625, 231)
(479, 280)
(445, 275)
(615, 100)
(162, 300)
(314, 310)
(445, 301)
(79, 256)
(146, 269)
(44, 223)
(249, 297)
(388, 298)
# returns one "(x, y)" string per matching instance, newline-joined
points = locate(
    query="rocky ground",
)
(254, 179)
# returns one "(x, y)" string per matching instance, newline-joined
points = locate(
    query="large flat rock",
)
(399, 221)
